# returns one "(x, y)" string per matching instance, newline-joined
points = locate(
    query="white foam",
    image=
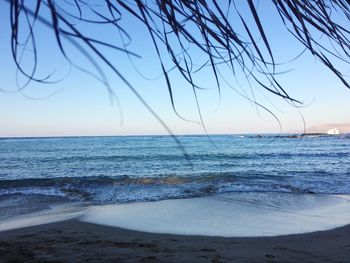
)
(228, 215)
(40, 218)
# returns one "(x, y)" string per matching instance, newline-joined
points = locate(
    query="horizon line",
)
(145, 135)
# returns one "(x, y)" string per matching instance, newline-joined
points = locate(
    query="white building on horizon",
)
(333, 131)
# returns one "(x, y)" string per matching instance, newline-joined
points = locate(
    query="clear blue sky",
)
(80, 105)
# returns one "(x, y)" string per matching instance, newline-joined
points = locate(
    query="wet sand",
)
(76, 241)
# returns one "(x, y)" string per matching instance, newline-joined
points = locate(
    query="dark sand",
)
(75, 241)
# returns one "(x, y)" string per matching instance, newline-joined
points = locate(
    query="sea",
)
(41, 173)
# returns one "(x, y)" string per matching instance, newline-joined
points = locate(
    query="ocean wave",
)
(166, 157)
(129, 189)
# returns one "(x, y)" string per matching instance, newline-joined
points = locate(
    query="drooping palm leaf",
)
(207, 26)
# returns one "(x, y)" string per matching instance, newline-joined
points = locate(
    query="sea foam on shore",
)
(229, 215)
(47, 216)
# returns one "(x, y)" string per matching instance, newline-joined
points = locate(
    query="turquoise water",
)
(100, 170)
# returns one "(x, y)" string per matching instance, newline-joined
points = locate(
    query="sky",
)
(79, 104)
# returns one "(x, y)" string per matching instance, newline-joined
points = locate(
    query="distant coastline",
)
(318, 130)
(324, 128)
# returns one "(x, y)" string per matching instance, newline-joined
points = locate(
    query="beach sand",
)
(76, 241)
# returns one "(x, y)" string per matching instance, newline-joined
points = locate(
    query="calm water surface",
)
(103, 170)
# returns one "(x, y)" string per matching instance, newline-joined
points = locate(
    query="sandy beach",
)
(76, 241)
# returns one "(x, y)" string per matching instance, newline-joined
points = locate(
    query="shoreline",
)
(228, 214)
(76, 241)
(225, 215)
